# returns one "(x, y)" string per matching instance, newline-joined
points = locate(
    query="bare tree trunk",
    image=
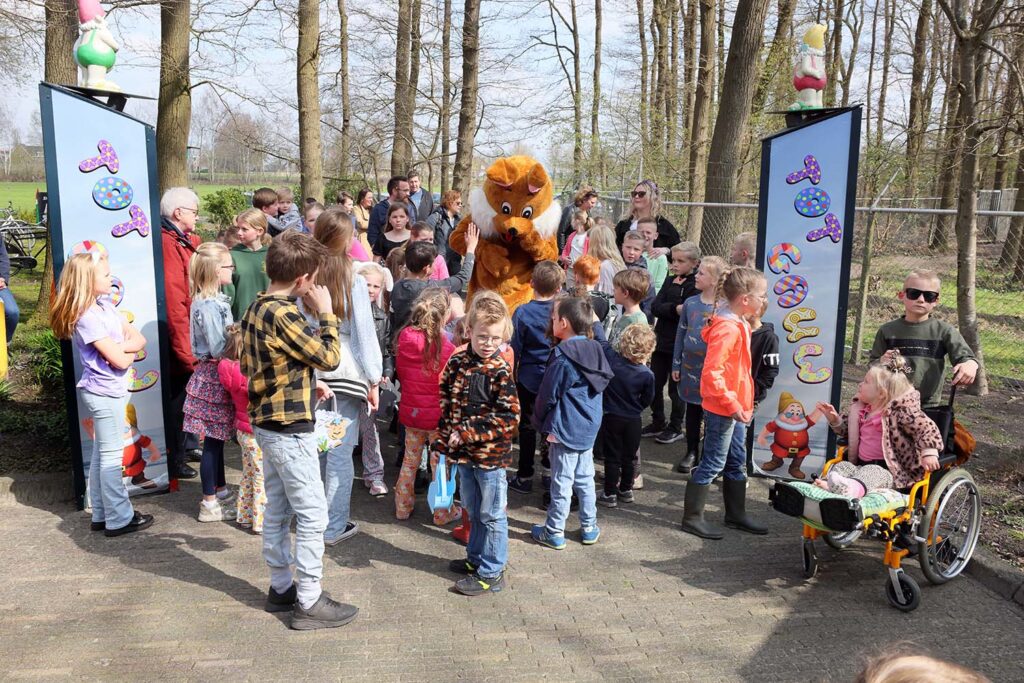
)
(596, 162)
(835, 62)
(873, 51)
(778, 53)
(915, 122)
(446, 96)
(346, 105)
(720, 64)
(970, 38)
(58, 67)
(467, 109)
(697, 170)
(659, 26)
(672, 97)
(951, 158)
(577, 101)
(414, 76)
(724, 157)
(401, 143)
(855, 22)
(1012, 256)
(1011, 100)
(689, 72)
(644, 124)
(174, 107)
(311, 165)
(889, 22)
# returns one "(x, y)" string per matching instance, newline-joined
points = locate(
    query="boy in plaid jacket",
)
(279, 355)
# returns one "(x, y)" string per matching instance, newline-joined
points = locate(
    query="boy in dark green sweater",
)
(249, 259)
(924, 341)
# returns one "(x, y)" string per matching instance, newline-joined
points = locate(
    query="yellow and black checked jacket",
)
(279, 354)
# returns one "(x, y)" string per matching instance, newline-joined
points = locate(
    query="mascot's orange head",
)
(516, 199)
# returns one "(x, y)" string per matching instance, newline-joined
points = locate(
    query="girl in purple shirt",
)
(106, 345)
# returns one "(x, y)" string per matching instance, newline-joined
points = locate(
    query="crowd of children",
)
(278, 325)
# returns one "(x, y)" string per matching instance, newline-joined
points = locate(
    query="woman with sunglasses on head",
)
(646, 203)
(925, 341)
(443, 220)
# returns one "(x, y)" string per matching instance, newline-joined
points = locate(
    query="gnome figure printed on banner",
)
(790, 429)
(809, 72)
(96, 49)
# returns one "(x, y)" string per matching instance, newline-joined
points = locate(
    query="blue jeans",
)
(725, 450)
(571, 471)
(338, 470)
(291, 473)
(107, 493)
(485, 495)
(11, 311)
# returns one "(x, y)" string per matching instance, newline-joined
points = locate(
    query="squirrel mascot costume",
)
(518, 221)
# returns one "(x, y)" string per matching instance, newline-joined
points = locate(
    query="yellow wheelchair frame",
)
(945, 505)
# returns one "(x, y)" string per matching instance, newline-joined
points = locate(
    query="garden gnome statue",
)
(809, 72)
(96, 49)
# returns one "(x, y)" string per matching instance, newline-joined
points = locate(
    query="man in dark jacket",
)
(420, 198)
(179, 209)
(398, 193)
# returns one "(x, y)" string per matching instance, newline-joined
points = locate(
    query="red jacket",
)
(726, 385)
(178, 250)
(237, 386)
(420, 407)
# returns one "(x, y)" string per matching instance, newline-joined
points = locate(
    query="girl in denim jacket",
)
(208, 407)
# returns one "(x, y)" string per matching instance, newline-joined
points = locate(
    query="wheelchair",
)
(941, 522)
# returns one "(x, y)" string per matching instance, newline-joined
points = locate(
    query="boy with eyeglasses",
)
(924, 341)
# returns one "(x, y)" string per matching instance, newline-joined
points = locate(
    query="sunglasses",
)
(639, 193)
(914, 294)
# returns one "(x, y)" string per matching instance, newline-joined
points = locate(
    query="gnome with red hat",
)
(96, 49)
(790, 429)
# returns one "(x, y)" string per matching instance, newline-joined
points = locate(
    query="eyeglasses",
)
(231, 267)
(185, 208)
(638, 193)
(914, 294)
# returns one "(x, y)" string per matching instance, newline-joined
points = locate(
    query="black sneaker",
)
(325, 613)
(463, 566)
(608, 500)
(670, 435)
(653, 429)
(138, 523)
(280, 602)
(626, 497)
(520, 485)
(97, 526)
(474, 585)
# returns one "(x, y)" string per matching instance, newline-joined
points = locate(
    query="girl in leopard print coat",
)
(886, 426)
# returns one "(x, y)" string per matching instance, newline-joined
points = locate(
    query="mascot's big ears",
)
(503, 173)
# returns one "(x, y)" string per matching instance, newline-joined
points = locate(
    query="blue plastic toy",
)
(441, 493)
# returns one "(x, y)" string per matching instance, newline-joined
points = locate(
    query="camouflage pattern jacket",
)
(480, 404)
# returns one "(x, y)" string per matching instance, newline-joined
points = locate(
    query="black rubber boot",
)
(686, 465)
(734, 491)
(693, 513)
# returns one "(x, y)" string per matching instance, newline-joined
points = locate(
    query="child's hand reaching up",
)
(829, 411)
(472, 238)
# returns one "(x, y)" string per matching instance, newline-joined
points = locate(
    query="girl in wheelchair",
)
(885, 426)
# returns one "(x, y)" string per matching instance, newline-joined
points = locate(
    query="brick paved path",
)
(182, 601)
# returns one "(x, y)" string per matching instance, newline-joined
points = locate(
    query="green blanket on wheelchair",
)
(830, 512)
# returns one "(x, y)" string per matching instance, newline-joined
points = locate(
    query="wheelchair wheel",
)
(842, 541)
(953, 516)
(909, 596)
(810, 560)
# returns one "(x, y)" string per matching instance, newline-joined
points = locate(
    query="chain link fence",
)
(902, 230)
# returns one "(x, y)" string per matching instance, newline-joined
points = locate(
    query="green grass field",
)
(23, 195)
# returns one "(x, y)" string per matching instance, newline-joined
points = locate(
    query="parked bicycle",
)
(26, 242)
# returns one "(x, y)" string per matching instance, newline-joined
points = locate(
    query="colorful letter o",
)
(112, 193)
(812, 202)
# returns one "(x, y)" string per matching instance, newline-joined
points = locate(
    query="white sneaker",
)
(638, 482)
(378, 488)
(216, 512)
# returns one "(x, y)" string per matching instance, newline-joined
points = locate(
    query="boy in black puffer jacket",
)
(373, 462)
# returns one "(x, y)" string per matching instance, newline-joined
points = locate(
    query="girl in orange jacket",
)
(727, 394)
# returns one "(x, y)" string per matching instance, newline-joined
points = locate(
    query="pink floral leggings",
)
(252, 499)
(405, 496)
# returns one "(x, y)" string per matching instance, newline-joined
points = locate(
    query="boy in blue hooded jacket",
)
(569, 409)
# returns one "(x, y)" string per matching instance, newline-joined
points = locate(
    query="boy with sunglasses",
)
(924, 341)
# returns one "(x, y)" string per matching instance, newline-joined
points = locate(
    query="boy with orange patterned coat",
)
(479, 415)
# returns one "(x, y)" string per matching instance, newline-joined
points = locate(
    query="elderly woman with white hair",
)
(179, 210)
